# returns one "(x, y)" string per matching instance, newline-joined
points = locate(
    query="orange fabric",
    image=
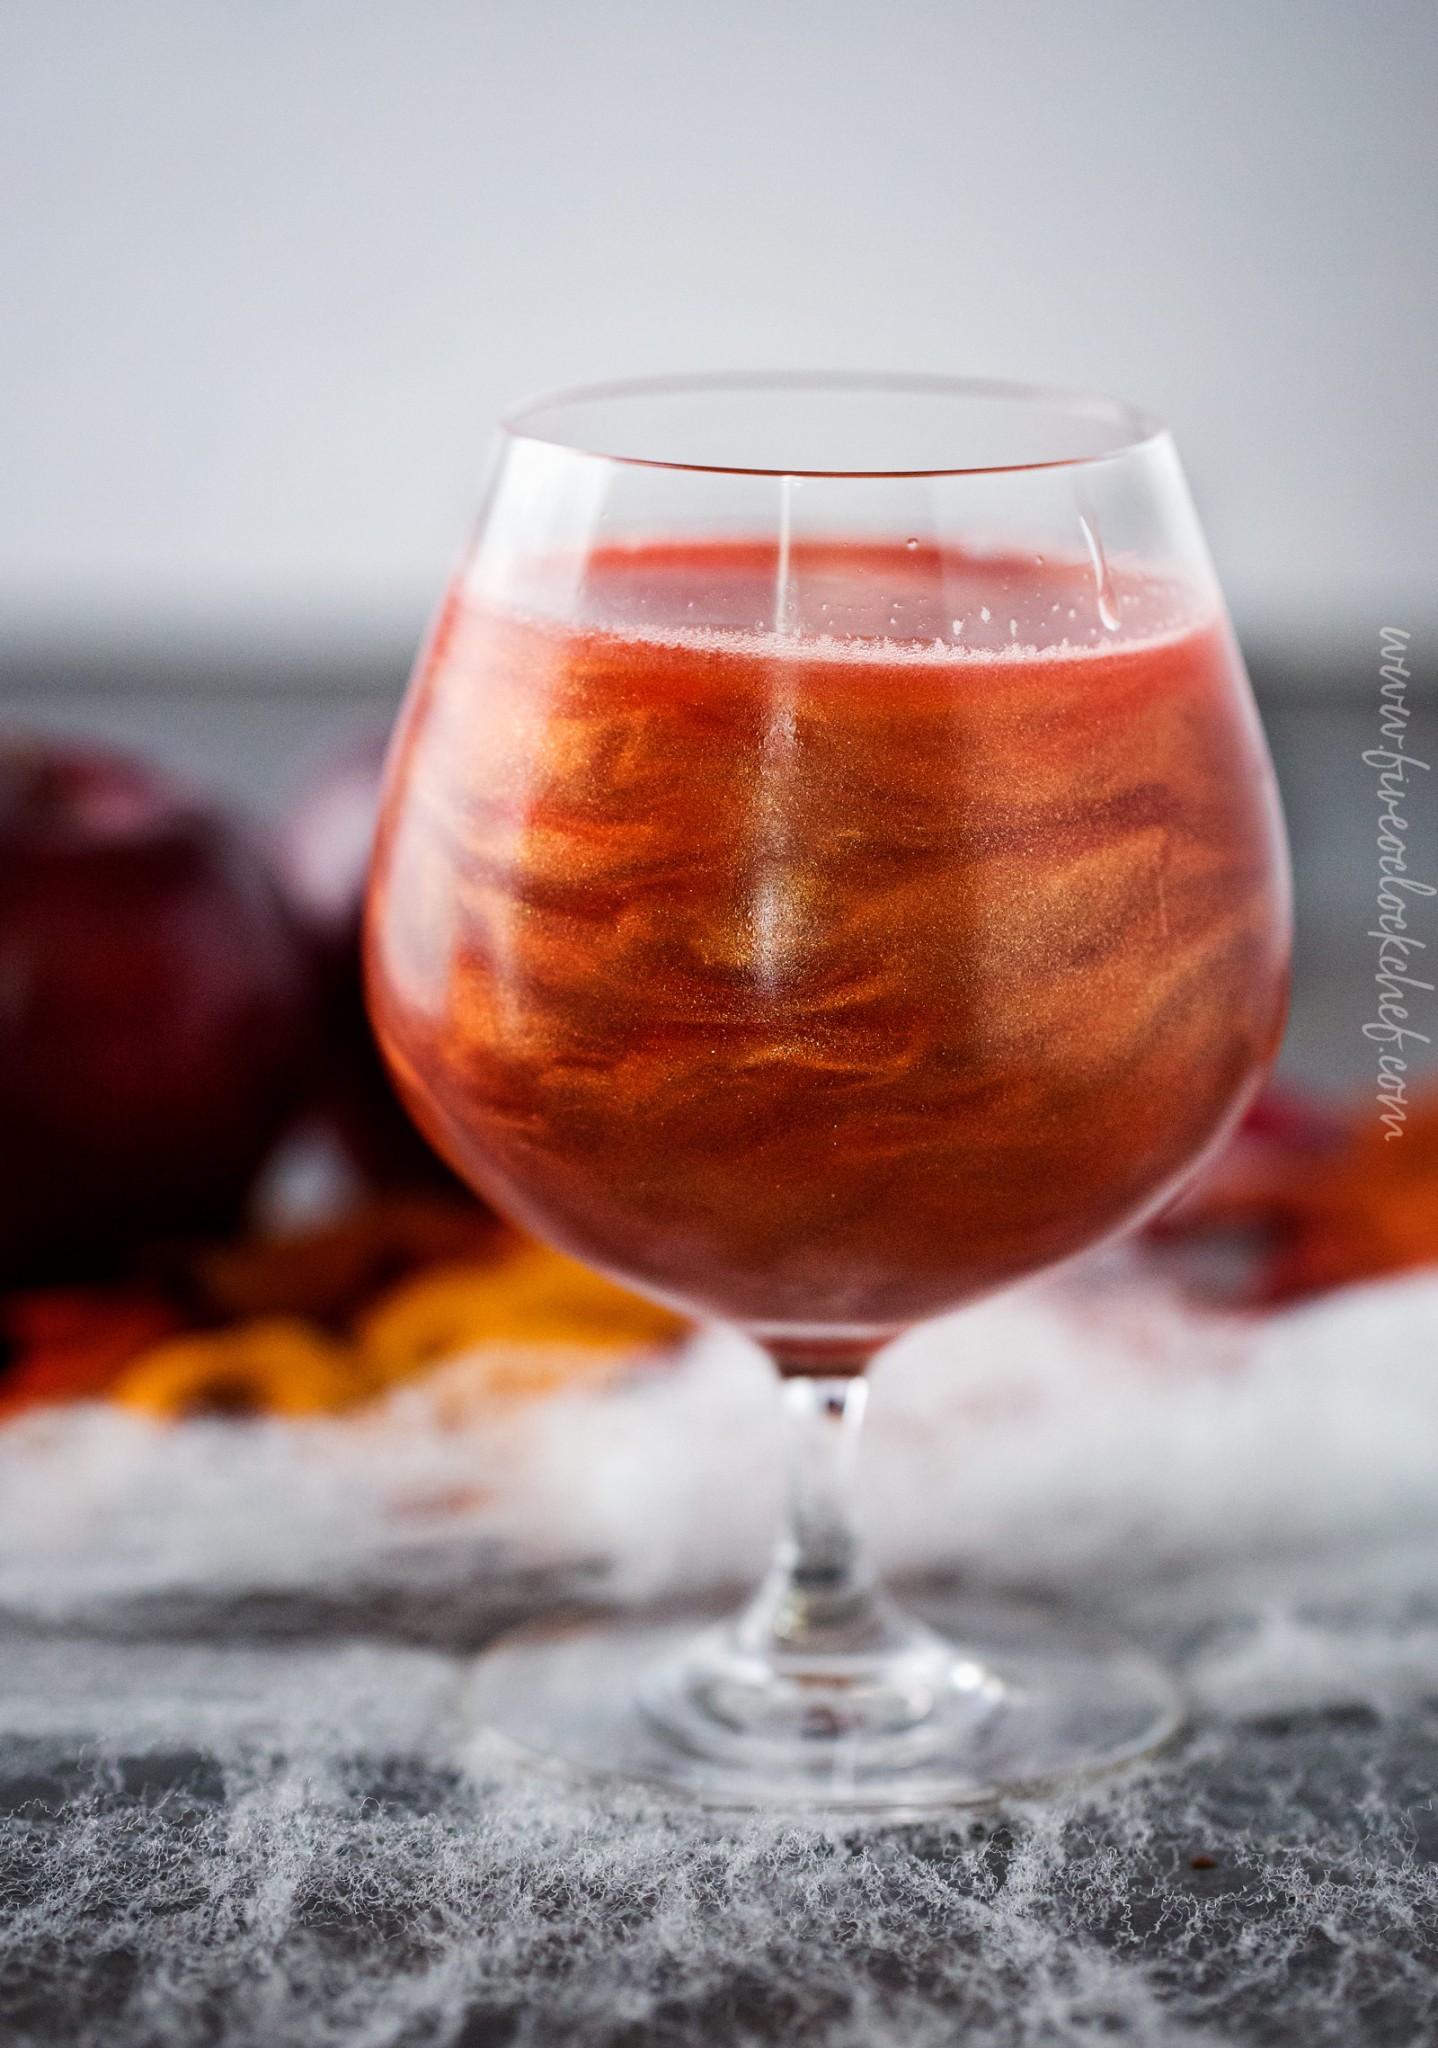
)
(542, 1322)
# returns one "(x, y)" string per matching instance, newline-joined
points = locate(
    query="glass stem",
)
(819, 1598)
(821, 1651)
(819, 1550)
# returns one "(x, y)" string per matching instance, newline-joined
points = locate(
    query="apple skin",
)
(323, 852)
(155, 1010)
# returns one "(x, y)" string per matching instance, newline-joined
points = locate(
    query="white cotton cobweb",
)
(235, 1804)
(1089, 1430)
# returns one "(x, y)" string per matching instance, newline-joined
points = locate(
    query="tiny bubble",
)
(984, 613)
(911, 545)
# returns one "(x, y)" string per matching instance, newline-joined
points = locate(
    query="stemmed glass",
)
(830, 868)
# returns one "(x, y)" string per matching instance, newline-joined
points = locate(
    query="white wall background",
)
(269, 268)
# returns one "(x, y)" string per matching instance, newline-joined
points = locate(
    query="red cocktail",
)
(824, 985)
(821, 928)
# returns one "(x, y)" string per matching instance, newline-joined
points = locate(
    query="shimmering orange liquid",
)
(825, 983)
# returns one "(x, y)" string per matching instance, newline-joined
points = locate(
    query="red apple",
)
(323, 845)
(323, 850)
(154, 1009)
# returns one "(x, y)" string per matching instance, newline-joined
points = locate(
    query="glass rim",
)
(1135, 428)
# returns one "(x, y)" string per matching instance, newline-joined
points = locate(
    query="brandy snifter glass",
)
(830, 869)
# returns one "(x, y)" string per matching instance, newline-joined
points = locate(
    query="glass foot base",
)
(1022, 1704)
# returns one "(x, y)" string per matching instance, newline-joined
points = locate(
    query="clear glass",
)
(830, 868)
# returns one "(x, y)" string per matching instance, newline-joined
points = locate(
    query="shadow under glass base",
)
(1005, 1702)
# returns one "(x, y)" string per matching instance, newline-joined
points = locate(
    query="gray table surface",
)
(241, 1799)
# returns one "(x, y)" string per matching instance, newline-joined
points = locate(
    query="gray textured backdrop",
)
(272, 266)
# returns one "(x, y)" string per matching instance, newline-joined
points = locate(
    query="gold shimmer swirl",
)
(819, 986)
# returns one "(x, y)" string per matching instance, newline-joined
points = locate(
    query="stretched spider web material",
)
(240, 1801)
